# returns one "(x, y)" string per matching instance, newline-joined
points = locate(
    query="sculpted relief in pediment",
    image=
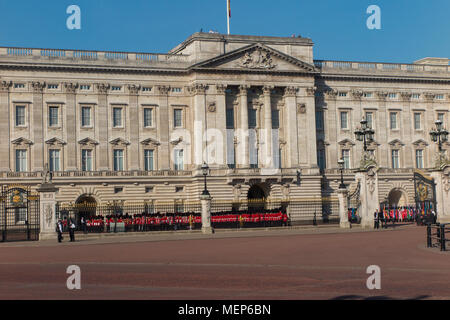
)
(257, 59)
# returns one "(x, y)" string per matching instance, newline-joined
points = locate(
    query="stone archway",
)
(86, 206)
(256, 197)
(397, 198)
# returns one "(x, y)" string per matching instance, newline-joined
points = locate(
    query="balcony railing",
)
(352, 65)
(77, 174)
(95, 55)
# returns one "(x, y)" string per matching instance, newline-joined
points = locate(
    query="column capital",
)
(356, 94)
(290, 91)
(406, 96)
(243, 88)
(38, 86)
(102, 88)
(5, 85)
(382, 95)
(221, 88)
(330, 94)
(197, 88)
(70, 87)
(163, 90)
(134, 89)
(429, 96)
(267, 90)
(310, 92)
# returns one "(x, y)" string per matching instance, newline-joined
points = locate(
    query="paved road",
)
(290, 264)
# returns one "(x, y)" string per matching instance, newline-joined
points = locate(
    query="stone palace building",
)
(269, 120)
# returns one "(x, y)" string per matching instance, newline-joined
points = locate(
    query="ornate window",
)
(344, 120)
(54, 160)
(86, 160)
(178, 157)
(20, 116)
(53, 116)
(419, 159)
(86, 116)
(393, 120)
(149, 160)
(417, 121)
(118, 159)
(346, 158)
(117, 117)
(178, 118)
(21, 160)
(395, 159)
(369, 119)
(148, 117)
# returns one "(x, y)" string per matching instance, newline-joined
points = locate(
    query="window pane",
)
(344, 120)
(86, 160)
(346, 158)
(20, 116)
(393, 116)
(178, 159)
(53, 116)
(419, 159)
(395, 159)
(117, 117)
(86, 116)
(148, 160)
(417, 121)
(177, 113)
(441, 117)
(54, 160)
(147, 117)
(118, 160)
(369, 118)
(21, 160)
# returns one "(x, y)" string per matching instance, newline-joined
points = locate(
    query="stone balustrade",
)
(374, 66)
(94, 55)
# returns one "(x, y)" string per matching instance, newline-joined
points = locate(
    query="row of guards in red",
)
(249, 217)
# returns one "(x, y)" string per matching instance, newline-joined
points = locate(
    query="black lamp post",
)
(205, 170)
(341, 168)
(439, 135)
(364, 133)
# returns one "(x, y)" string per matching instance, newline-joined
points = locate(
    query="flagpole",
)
(228, 16)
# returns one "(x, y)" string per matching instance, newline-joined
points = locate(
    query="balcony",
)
(107, 174)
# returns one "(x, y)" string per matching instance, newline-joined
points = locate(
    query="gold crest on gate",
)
(17, 198)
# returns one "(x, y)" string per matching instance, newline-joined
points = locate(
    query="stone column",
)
(5, 142)
(206, 214)
(221, 121)
(47, 209)
(442, 182)
(134, 128)
(199, 91)
(163, 128)
(242, 157)
(267, 150)
(311, 126)
(406, 115)
(70, 124)
(290, 130)
(382, 127)
(343, 208)
(368, 180)
(331, 125)
(103, 147)
(37, 126)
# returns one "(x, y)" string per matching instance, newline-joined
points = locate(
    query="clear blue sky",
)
(411, 29)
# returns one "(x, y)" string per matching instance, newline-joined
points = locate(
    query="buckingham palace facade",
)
(268, 119)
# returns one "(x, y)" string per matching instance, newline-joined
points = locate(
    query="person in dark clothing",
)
(72, 231)
(59, 230)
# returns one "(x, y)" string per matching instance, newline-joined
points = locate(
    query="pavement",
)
(281, 263)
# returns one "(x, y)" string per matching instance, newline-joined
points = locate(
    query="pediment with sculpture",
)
(256, 57)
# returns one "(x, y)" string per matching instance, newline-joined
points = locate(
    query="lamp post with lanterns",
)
(439, 134)
(205, 171)
(341, 168)
(364, 133)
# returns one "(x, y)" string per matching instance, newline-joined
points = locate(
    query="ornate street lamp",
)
(341, 168)
(364, 133)
(205, 170)
(439, 135)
